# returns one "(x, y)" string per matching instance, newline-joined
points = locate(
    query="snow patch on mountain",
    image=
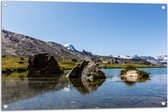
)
(70, 47)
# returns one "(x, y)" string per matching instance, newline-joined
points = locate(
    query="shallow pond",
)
(61, 93)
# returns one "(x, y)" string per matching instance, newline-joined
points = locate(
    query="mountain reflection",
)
(85, 86)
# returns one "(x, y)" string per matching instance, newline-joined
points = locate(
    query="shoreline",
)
(17, 64)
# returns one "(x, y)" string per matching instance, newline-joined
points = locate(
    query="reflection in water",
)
(131, 84)
(13, 90)
(43, 83)
(86, 86)
(62, 93)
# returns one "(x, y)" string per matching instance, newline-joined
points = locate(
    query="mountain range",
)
(159, 60)
(14, 44)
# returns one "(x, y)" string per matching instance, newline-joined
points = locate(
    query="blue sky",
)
(102, 28)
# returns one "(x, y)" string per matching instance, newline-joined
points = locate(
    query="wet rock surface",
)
(43, 65)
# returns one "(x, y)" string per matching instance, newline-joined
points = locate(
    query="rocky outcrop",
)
(86, 70)
(43, 65)
(77, 70)
(87, 53)
(92, 72)
(131, 74)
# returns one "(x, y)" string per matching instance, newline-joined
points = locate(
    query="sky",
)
(102, 28)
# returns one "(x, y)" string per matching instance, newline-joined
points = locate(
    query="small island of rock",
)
(131, 74)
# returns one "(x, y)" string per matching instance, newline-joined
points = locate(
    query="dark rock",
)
(7, 71)
(99, 60)
(74, 60)
(21, 70)
(21, 58)
(43, 65)
(20, 62)
(86, 70)
(3, 56)
(87, 53)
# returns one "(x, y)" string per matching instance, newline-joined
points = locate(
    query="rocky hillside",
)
(14, 44)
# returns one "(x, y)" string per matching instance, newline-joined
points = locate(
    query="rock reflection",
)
(14, 90)
(43, 83)
(132, 83)
(86, 86)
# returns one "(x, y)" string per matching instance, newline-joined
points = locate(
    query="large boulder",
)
(77, 70)
(91, 72)
(86, 70)
(43, 65)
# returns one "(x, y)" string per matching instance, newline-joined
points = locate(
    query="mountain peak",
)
(69, 46)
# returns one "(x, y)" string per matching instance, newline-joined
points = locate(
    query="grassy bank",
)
(107, 65)
(66, 64)
(14, 63)
(17, 64)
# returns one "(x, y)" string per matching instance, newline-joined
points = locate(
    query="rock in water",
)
(91, 72)
(77, 70)
(131, 74)
(86, 70)
(43, 65)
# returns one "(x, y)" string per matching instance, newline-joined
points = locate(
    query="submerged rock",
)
(43, 65)
(86, 70)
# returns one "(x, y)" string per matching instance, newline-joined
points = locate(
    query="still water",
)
(61, 93)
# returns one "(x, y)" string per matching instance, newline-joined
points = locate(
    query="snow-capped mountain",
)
(70, 47)
(160, 60)
(136, 57)
(125, 56)
(150, 59)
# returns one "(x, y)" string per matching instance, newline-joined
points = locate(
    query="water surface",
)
(62, 93)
